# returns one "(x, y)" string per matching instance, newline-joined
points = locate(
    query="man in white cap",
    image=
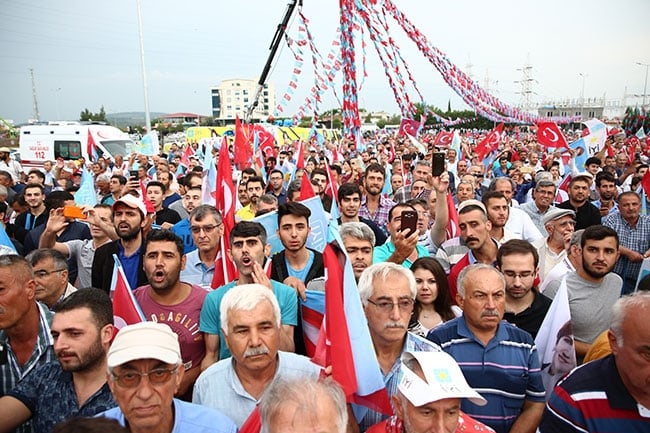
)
(129, 218)
(144, 372)
(428, 397)
(560, 225)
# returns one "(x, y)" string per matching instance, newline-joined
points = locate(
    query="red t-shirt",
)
(182, 318)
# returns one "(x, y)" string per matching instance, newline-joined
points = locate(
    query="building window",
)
(577, 113)
(549, 114)
(591, 114)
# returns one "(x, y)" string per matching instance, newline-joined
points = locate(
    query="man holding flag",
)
(129, 218)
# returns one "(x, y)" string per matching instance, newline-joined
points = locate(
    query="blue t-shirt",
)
(130, 264)
(301, 274)
(211, 316)
(182, 230)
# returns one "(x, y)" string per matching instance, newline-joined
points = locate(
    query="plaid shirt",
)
(381, 214)
(635, 238)
(11, 373)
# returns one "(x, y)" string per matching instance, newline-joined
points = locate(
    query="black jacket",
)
(103, 262)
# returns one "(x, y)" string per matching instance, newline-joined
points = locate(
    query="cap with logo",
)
(442, 379)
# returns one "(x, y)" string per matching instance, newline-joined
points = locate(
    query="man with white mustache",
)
(250, 322)
(387, 292)
(496, 357)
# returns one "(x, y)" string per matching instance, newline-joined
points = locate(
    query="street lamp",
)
(582, 93)
(645, 84)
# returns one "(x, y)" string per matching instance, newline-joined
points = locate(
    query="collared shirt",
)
(219, 387)
(612, 210)
(412, 343)
(210, 321)
(282, 196)
(383, 252)
(536, 215)
(635, 238)
(520, 224)
(50, 396)
(403, 194)
(381, 214)
(84, 252)
(547, 257)
(188, 418)
(593, 398)
(245, 213)
(11, 373)
(196, 272)
(506, 371)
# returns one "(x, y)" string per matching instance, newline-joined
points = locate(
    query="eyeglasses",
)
(387, 306)
(523, 275)
(206, 229)
(45, 274)
(132, 379)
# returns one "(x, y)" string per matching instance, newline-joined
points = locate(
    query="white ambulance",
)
(69, 140)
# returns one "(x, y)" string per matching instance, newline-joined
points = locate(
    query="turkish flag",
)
(93, 154)
(242, 146)
(549, 135)
(185, 159)
(224, 270)
(645, 183)
(266, 141)
(306, 189)
(300, 161)
(253, 423)
(126, 310)
(409, 126)
(453, 229)
(443, 138)
(490, 142)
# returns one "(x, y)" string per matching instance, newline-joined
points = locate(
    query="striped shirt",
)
(506, 371)
(593, 398)
(412, 343)
(12, 372)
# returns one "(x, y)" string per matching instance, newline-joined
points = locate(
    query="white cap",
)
(443, 379)
(133, 202)
(145, 340)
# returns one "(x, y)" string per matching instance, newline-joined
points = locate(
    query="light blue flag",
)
(317, 222)
(6, 246)
(581, 153)
(86, 193)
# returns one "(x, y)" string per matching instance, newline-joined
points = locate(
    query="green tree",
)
(86, 115)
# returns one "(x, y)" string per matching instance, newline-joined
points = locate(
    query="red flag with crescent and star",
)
(224, 269)
(549, 135)
(490, 142)
(444, 138)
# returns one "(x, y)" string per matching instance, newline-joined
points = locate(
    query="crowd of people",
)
(456, 274)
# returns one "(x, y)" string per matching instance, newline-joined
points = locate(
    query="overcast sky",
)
(86, 54)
